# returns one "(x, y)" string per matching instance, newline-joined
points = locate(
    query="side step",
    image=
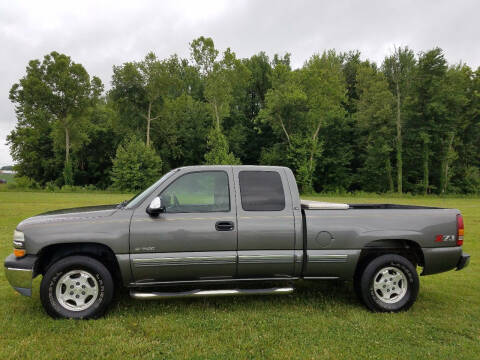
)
(205, 293)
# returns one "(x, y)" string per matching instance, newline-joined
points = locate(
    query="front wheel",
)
(77, 287)
(389, 283)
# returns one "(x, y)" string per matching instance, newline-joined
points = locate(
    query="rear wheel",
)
(76, 287)
(389, 283)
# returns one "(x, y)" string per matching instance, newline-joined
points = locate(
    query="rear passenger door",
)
(265, 218)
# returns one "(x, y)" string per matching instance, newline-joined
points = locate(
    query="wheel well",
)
(52, 253)
(406, 248)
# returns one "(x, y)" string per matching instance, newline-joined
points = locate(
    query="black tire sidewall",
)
(366, 283)
(54, 273)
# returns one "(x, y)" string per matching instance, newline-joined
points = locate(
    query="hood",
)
(69, 215)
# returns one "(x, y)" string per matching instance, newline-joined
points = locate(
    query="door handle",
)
(224, 226)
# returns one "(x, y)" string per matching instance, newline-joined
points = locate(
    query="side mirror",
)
(155, 207)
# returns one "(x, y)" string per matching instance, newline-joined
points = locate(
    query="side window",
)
(206, 191)
(261, 191)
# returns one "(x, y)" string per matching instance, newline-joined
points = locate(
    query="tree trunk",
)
(149, 119)
(446, 165)
(217, 117)
(425, 166)
(67, 145)
(314, 147)
(388, 168)
(399, 145)
(284, 130)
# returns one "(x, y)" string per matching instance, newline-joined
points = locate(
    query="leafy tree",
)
(351, 62)
(456, 98)
(467, 164)
(218, 88)
(53, 95)
(204, 54)
(399, 69)
(135, 166)
(219, 76)
(374, 118)
(31, 147)
(340, 122)
(182, 129)
(102, 139)
(429, 106)
(299, 103)
(140, 88)
(218, 152)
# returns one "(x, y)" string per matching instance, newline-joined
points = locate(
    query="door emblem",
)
(145, 249)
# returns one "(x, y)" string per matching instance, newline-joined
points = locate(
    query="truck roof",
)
(236, 166)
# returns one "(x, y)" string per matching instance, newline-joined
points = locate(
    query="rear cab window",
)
(261, 191)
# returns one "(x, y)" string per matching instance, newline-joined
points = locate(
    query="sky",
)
(100, 34)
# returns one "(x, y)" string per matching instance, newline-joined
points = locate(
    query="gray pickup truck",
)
(229, 230)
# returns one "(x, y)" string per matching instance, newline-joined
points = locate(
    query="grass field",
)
(318, 321)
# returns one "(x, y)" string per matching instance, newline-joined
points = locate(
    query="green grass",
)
(318, 321)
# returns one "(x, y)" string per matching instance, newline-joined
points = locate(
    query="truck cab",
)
(218, 222)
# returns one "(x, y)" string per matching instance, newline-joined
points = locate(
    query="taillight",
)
(460, 230)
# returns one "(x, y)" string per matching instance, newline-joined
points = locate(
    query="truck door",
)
(265, 218)
(195, 238)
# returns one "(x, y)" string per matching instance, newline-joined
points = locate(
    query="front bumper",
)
(463, 262)
(20, 273)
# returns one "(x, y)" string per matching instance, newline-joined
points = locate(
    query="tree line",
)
(340, 122)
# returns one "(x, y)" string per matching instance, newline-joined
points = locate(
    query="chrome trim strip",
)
(326, 258)
(322, 205)
(207, 293)
(187, 260)
(256, 259)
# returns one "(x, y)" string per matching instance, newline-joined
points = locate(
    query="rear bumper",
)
(463, 262)
(442, 259)
(20, 273)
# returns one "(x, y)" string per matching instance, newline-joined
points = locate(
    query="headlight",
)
(19, 244)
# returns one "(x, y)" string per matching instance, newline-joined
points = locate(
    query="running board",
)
(207, 293)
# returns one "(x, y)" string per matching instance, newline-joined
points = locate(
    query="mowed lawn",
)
(318, 321)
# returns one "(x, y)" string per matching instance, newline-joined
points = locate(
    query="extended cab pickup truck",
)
(216, 230)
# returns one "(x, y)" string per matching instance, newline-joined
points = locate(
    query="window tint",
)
(206, 191)
(261, 191)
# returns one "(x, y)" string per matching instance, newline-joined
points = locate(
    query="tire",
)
(76, 287)
(389, 283)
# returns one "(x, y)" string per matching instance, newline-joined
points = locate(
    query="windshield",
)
(137, 199)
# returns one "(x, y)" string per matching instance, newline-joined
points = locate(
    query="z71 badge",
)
(445, 238)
